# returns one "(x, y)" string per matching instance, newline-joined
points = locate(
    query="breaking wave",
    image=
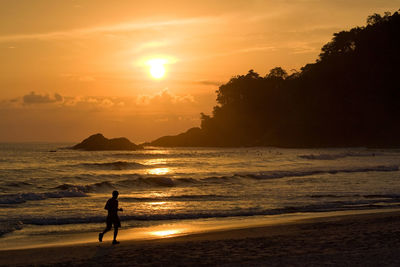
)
(136, 182)
(369, 196)
(116, 165)
(300, 173)
(90, 188)
(114, 181)
(10, 226)
(16, 184)
(323, 207)
(24, 197)
(142, 181)
(336, 156)
(178, 198)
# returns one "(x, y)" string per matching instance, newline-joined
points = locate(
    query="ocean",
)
(47, 190)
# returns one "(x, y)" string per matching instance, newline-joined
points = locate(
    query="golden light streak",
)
(159, 171)
(166, 233)
(157, 203)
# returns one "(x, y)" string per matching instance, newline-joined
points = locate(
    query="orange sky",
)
(71, 68)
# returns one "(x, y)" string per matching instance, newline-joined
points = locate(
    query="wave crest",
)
(178, 198)
(91, 188)
(10, 226)
(300, 173)
(115, 165)
(336, 156)
(24, 197)
(142, 181)
(323, 207)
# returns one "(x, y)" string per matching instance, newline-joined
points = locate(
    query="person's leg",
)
(106, 230)
(115, 233)
(108, 225)
(117, 224)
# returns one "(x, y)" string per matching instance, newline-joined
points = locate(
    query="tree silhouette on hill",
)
(349, 97)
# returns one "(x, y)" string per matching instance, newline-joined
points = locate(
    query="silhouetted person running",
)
(112, 217)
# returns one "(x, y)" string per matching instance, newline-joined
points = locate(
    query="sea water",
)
(48, 190)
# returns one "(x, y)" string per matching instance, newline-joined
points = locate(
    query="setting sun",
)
(157, 69)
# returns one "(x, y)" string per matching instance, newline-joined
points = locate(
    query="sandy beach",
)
(347, 240)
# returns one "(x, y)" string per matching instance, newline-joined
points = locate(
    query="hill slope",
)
(348, 97)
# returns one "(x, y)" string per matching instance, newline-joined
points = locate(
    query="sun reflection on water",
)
(159, 171)
(158, 203)
(155, 161)
(166, 233)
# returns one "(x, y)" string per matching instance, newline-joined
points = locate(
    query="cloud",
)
(34, 98)
(143, 118)
(56, 101)
(120, 27)
(164, 102)
(206, 82)
(164, 97)
(90, 103)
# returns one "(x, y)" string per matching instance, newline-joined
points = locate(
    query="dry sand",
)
(350, 240)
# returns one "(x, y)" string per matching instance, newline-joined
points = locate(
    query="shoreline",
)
(325, 239)
(168, 229)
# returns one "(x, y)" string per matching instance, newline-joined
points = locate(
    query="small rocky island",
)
(98, 142)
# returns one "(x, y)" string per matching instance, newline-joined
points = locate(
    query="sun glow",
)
(157, 69)
(166, 233)
(159, 171)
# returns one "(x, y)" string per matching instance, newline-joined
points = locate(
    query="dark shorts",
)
(113, 220)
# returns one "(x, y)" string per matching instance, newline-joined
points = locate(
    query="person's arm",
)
(107, 206)
(118, 208)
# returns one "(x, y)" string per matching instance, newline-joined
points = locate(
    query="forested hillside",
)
(349, 97)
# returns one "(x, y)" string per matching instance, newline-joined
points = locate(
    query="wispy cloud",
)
(120, 27)
(34, 98)
(164, 97)
(208, 82)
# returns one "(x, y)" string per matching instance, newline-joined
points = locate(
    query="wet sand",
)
(346, 240)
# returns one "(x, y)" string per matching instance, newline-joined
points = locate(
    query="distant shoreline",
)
(148, 146)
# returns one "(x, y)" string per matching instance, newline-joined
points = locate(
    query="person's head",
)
(115, 194)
